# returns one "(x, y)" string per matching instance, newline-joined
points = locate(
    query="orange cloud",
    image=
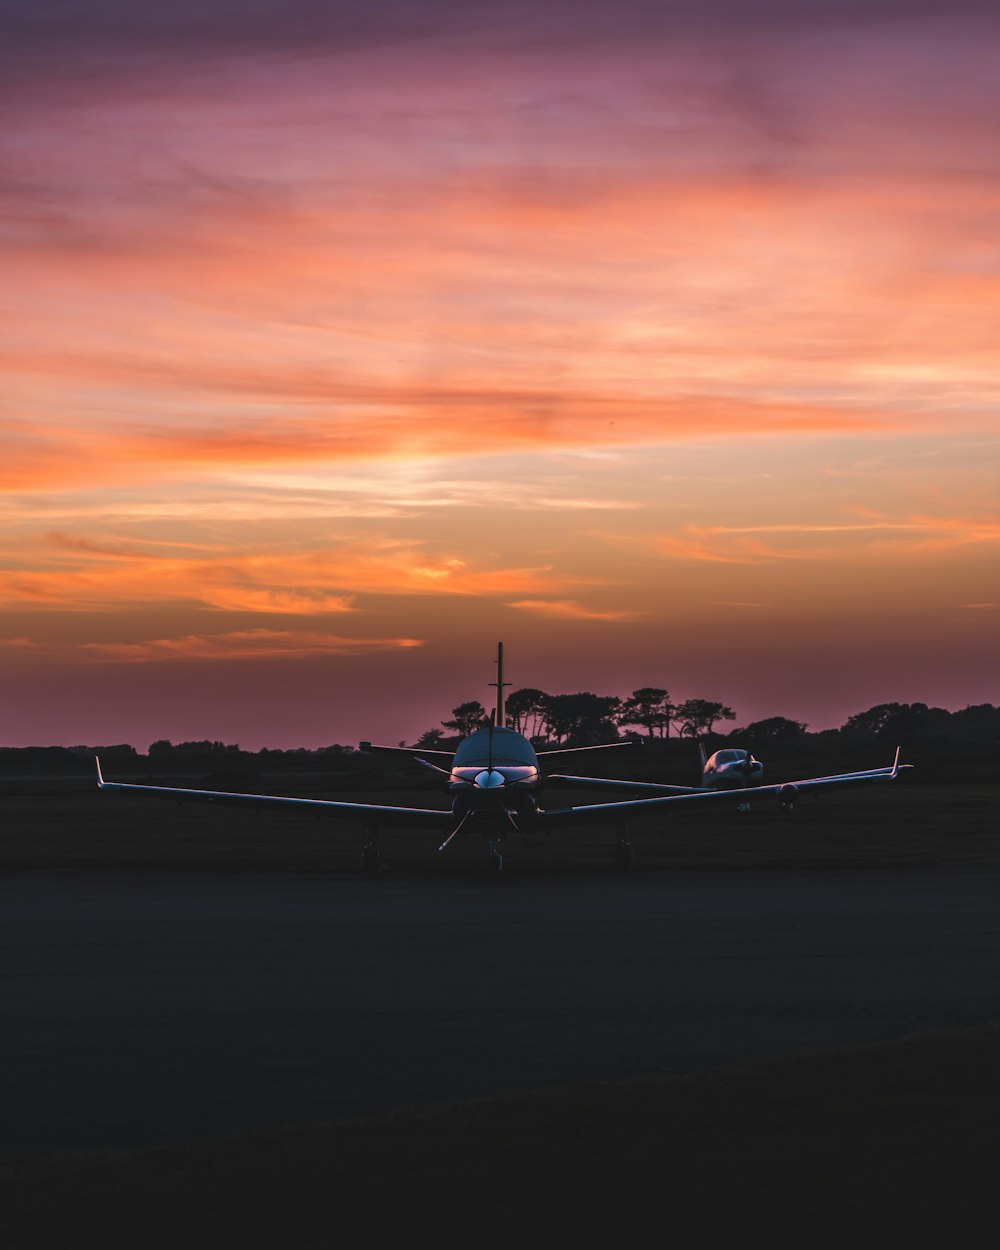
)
(252, 644)
(405, 424)
(568, 609)
(738, 544)
(265, 333)
(88, 575)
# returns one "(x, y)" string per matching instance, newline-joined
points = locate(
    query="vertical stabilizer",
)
(501, 708)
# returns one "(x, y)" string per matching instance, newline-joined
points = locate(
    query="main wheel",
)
(496, 863)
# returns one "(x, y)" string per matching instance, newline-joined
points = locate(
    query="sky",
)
(341, 341)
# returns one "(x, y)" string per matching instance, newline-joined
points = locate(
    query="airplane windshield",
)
(508, 748)
(729, 757)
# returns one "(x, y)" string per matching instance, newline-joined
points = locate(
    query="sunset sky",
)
(340, 341)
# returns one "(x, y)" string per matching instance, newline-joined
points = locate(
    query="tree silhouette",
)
(524, 707)
(870, 724)
(698, 716)
(905, 722)
(774, 731)
(650, 707)
(467, 718)
(582, 719)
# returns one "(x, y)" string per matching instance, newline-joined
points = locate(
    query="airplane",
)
(732, 768)
(494, 780)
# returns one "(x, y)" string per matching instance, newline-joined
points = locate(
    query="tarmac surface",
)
(143, 1009)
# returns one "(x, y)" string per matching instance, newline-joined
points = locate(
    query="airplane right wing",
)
(604, 746)
(632, 787)
(785, 792)
(404, 817)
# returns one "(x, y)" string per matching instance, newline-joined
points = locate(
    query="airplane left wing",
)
(404, 817)
(785, 792)
(371, 748)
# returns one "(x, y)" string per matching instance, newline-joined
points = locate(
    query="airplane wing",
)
(604, 746)
(633, 787)
(404, 817)
(370, 748)
(785, 792)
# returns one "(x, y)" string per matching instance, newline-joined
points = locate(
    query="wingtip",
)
(100, 777)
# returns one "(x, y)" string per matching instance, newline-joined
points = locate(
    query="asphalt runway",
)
(142, 1009)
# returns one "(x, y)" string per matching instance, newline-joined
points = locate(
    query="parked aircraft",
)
(732, 768)
(494, 780)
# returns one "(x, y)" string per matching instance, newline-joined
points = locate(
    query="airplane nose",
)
(490, 780)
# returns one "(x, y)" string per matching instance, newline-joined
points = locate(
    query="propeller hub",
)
(490, 779)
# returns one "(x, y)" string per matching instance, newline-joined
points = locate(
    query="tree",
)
(774, 731)
(870, 724)
(898, 721)
(467, 718)
(431, 739)
(205, 746)
(698, 716)
(650, 707)
(582, 719)
(978, 721)
(526, 707)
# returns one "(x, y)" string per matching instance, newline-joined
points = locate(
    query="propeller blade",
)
(454, 833)
(514, 825)
(433, 767)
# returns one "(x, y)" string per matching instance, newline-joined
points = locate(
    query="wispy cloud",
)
(740, 544)
(96, 575)
(569, 610)
(252, 644)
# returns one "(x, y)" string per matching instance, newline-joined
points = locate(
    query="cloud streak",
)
(568, 610)
(251, 644)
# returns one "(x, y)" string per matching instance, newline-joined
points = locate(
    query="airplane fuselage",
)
(732, 769)
(493, 778)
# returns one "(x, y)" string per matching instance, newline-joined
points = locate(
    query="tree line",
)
(582, 719)
(586, 719)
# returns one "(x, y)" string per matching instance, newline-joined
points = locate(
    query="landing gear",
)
(623, 849)
(371, 861)
(496, 857)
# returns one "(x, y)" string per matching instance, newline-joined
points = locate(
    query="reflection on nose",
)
(489, 780)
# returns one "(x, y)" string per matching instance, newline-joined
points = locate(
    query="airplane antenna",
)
(489, 758)
(500, 684)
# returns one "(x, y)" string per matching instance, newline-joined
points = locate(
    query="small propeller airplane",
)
(494, 779)
(730, 769)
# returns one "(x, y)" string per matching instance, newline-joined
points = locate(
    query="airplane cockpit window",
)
(508, 748)
(729, 757)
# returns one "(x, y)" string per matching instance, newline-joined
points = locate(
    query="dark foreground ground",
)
(229, 1056)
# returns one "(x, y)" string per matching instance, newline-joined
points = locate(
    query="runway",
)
(141, 1009)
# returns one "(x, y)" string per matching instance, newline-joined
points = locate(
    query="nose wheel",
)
(496, 857)
(623, 849)
(371, 861)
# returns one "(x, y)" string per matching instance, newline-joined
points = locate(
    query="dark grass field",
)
(882, 1145)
